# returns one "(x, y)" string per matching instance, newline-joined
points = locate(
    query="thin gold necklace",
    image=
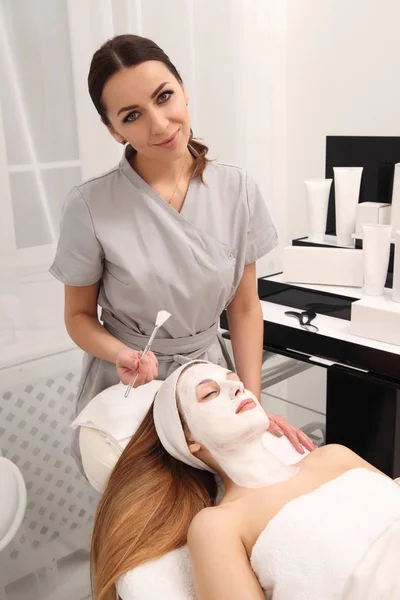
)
(177, 183)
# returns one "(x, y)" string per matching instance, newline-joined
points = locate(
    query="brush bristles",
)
(162, 316)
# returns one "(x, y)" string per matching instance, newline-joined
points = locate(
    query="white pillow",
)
(116, 416)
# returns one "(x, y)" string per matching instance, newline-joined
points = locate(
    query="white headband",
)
(168, 423)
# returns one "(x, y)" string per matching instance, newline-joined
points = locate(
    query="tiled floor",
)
(49, 557)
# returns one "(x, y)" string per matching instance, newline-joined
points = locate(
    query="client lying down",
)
(327, 528)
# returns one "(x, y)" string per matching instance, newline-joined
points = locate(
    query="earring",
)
(123, 142)
(187, 103)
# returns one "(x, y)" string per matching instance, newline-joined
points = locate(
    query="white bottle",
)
(347, 193)
(317, 207)
(396, 270)
(376, 250)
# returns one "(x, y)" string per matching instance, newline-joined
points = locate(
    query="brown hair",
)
(146, 509)
(124, 51)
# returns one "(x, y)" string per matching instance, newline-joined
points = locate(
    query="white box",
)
(326, 266)
(396, 268)
(395, 218)
(372, 213)
(376, 318)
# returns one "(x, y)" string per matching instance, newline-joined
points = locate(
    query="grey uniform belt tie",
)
(179, 350)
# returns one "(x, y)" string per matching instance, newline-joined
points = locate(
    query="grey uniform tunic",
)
(117, 230)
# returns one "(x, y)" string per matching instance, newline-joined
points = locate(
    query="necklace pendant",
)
(177, 183)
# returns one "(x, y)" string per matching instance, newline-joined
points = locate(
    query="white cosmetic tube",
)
(395, 214)
(376, 250)
(347, 193)
(396, 270)
(317, 191)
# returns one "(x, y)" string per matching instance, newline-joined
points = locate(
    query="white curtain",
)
(51, 137)
(39, 162)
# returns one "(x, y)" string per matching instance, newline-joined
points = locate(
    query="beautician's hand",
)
(128, 364)
(280, 426)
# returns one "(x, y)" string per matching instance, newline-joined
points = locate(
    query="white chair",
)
(12, 501)
(98, 457)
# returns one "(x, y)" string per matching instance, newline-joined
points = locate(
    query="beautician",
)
(167, 229)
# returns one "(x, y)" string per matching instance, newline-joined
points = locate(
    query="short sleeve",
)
(261, 235)
(79, 256)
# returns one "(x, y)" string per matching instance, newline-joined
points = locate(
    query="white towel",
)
(165, 578)
(116, 416)
(312, 546)
(377, 576)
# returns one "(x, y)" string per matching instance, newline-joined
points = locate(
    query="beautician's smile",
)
(247, 404)
(170, 142)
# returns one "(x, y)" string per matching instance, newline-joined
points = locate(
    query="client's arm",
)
(220, 566)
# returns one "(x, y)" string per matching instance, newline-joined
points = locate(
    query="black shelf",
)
(279, 338)
(302, 298)
(376, 154)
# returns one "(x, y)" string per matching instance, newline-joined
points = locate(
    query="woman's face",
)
(146, 106)
(219, 412)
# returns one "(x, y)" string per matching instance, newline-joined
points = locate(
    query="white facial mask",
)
(213, 421)
(235, 439)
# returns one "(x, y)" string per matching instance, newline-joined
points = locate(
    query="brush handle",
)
(149, 343)
(142, 357)
(134, 377)
(131, 384)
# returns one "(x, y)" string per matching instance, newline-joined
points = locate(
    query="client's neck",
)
(251, 465)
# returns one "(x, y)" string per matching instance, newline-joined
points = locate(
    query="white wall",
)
(341, 65)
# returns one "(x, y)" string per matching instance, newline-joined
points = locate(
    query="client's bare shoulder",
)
(340, 457)
(219, 561)
(215, 522)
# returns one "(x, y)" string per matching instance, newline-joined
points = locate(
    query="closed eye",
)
(210, 394)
